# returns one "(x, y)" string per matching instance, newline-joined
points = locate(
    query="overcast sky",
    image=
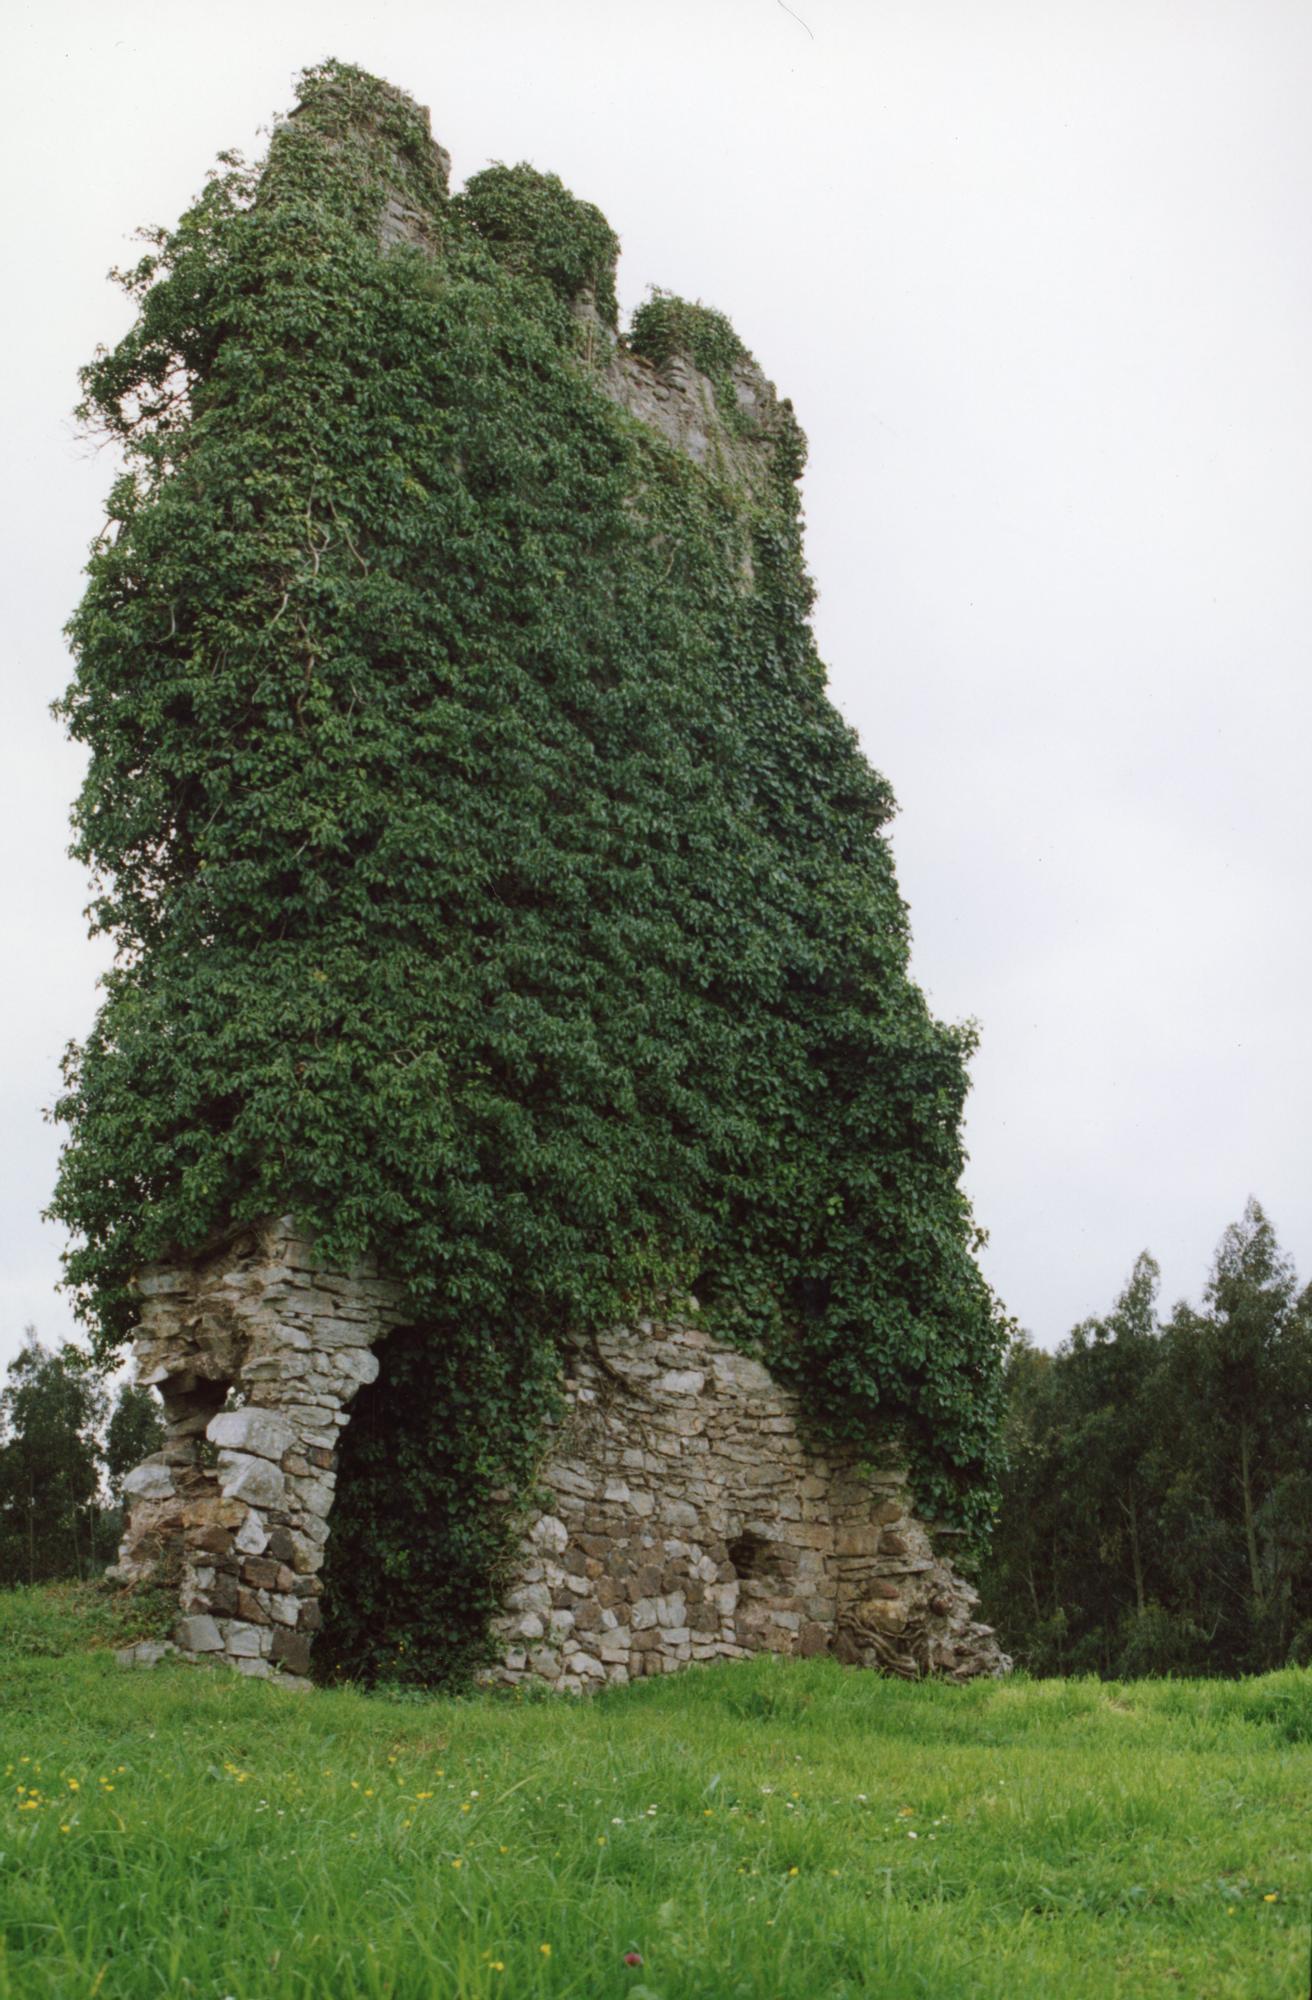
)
(1037, 280)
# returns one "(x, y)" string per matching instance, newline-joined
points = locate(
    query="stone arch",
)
(690, 1516)
(257, 1355)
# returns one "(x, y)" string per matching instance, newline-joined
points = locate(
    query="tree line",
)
(1156, 1510)
(66, 1443)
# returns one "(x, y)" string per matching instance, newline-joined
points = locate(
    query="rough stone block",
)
(213, 1541)
(549, 1532)
(254, 1480)
(883, 1614)
(198, 1634)
(306, 1556)
(252, 1537)
(258, 1432)
(291, 1650)
(356, 1367)
(315, 1495)
(150, 1481)
(713, 1439)
(243, 1640)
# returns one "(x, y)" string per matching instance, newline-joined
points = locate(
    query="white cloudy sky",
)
(1037, 279)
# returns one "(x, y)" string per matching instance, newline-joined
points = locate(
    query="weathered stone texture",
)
(677, 401)
(689, 1517)
(256, 1355)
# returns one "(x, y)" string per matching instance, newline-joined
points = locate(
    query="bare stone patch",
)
(741, 1537)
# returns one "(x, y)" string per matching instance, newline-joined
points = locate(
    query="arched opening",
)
(435, 1452)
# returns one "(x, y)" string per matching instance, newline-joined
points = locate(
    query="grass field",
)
(769, 1829)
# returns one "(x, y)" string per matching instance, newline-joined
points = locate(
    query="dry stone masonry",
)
(690, 1519)
(256, 1356)
(685, 1516)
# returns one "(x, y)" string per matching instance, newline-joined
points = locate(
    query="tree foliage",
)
(493, 884)
(54, 1453)
(1157, 1509)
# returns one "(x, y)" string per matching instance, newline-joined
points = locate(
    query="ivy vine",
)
(493, 883)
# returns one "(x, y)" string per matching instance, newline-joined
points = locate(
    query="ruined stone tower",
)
(683, 1509)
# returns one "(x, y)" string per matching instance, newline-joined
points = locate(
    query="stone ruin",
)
(689, 1518)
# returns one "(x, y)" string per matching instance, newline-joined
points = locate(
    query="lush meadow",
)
(765, 1830)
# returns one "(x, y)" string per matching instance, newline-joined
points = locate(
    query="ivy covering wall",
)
(493, 884)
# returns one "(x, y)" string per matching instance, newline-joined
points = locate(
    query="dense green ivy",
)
(665, 326)
(492, 882)
(534, 225)
(435, 1450)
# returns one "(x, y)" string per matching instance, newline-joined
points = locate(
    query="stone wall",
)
(690, 1519)
(687, 1516)
(678, 402)
(256, 1356)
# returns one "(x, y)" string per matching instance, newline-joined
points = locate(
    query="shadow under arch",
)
(436, 1454)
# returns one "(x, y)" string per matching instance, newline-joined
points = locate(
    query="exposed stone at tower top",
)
(674, 397)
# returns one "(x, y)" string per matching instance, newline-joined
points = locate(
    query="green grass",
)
(790, 1830)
